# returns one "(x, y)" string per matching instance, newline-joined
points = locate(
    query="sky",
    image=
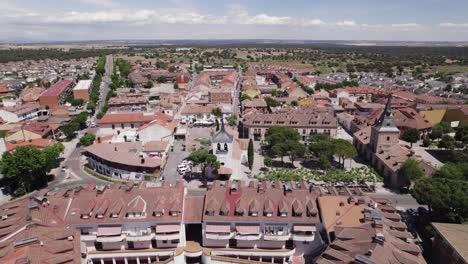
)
(389, 20)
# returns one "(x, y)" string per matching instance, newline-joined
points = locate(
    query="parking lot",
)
(170, 172)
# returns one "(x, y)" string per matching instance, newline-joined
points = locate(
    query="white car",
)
(186, 162)
(184, 170)
(92, 125)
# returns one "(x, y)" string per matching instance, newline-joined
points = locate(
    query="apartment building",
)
(20, 112)
(127, 223)
(269, 222)
(366, 230)
(56, 94)
(307, 123)
(82, 89)
(124, 161)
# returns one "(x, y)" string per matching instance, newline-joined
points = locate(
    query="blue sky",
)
(417, 20)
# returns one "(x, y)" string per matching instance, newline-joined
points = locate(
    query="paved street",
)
(74, 175)
(170, 172)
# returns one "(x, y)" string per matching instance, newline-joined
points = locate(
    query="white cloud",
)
(407, 25)
(186, 22)
(453, 25)
(99, 2)
(346, 23)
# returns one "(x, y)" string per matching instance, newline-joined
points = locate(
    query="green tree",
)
(410, 172)
(77, 102)
(203, 158)
(87, 139)
(283, 141)
(91, 106)
(250, 154)
(295, 149)
(437, 132)
(161, 79)
(245, 97)
(411, 135)
(447, 142)
(453, 171)
(441, 129)
(232, 120)
(51, 154)
(268, 161)
(344, 150)
(149, 84)
(272, 102)
(446, 198)
(26, 168)
(81, 119)
(217, 112)
(462, 134)
(70, 128)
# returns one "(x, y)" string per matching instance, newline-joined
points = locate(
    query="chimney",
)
(143, 161)
(115, 148)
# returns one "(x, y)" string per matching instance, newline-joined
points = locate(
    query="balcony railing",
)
(111, 238)
(219, 236)
(303, 237)
(172, 236)
(276, 236)
(249, 237)
(139, 236)
(89, 237)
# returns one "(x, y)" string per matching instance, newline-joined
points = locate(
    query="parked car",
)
(184, 170)
(186, 162)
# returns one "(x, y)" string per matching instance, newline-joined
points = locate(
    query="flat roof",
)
(83, 85)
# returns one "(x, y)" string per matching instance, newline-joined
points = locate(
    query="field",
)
(452, 68)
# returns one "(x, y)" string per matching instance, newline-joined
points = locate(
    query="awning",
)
(224, 171)
(248, 229)
(167, 229)
(181, 132)
(304, 228)
(218, 228)
(109, 231)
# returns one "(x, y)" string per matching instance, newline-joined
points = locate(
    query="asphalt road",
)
(170, 172)
(73, 163)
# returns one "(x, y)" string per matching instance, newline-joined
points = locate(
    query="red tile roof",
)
(126, 118)
(57, 88)
(39, 143)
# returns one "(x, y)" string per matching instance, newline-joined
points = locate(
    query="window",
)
(219, 146)
(209, 212)
(114, 215)
(225, 147)
(130, 245)
(113, 126)
(132, 126)
(122, 125)
(388, 138)
(98, 245)
(85, 231)
(175, 241)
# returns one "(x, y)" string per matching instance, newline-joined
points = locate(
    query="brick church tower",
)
(384, 133)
